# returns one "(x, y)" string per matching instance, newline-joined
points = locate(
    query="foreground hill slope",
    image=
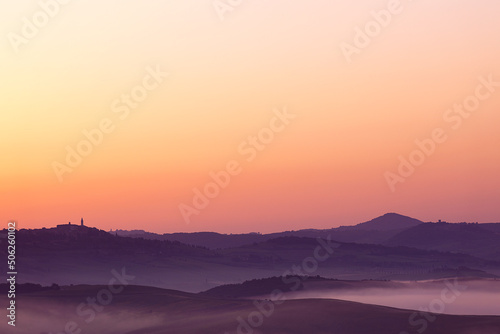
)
(144, 310)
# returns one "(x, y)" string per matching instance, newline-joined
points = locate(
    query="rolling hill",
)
(87, 256)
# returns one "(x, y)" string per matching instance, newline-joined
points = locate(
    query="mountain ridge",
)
(374, 231)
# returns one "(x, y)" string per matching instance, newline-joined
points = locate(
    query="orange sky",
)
(325, 166)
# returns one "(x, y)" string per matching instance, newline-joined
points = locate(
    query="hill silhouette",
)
(389, 221)
(374, 231)
(473, 239)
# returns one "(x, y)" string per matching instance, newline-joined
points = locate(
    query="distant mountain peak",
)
(393, 214)
(389, 221)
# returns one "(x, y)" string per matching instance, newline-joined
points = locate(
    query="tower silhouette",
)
(81, 222)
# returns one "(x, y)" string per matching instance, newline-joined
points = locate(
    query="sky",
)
(248, 116)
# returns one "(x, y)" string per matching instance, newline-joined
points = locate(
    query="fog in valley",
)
(447, 297)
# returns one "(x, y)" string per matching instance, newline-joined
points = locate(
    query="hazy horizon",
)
(159, 231)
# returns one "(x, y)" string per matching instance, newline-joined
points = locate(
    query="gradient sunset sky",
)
(326, 168)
